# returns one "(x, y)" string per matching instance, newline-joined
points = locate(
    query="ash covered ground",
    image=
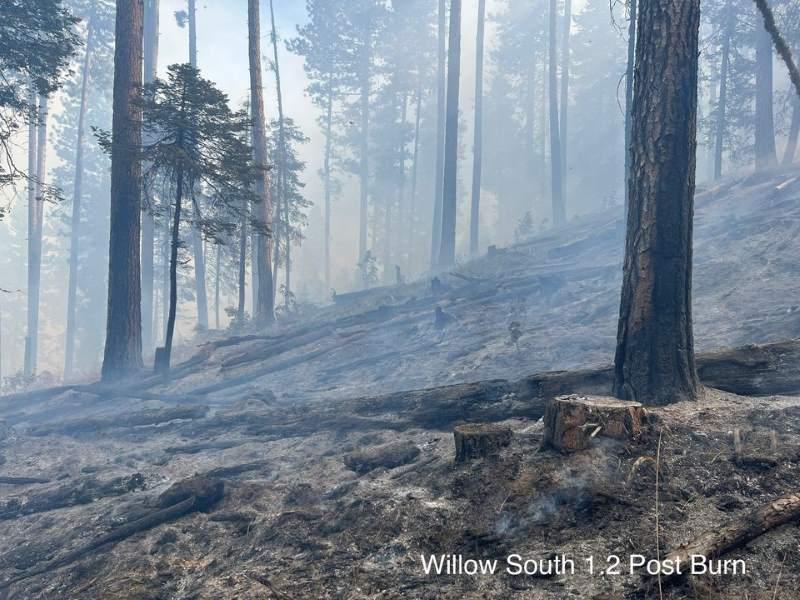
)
(336, 480)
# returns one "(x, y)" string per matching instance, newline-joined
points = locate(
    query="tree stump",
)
(571, 422)
(479, 440)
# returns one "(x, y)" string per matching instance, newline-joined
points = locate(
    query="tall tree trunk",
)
(556, 177)
(148, 223)
(722, 102)
(35, 226)
(198, 255)
(242, 266)
(632, 4)
(77, 191)
(123, 348)
(264, 310)
(412, 208)
(441, 98)
(565, 60)
(766, 154)
(398, 248)
(654, 361)
(363, 169)
(327, 167)
(165, 250)
(794, 130)
(32, 221)
(284, 201)
(477, 144)
(216, 285)
(447, 251)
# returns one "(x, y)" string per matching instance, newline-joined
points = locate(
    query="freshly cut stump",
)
(571, 422)
(479, 440)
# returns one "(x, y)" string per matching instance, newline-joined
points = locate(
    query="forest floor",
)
(336, 480)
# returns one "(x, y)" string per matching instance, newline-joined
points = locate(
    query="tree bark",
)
(217, 284)
(35, 228)
(123, 348)
(654, 362)
(565, 60)
(447, 250)
(556, 177)
(722, 106)
(766, 155)
(632, 4)
(163, 359)
(242, 266)
(151, 27)
(77, 191)
(264, 310)
(32, 220)
(477, 145)
(441, 93)
(794, 130)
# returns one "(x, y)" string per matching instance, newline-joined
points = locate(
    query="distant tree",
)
(556, 175)
(123, 350)
(654, 361)
(263, 235)
(447, 250)
(38, 40)
(477, 145)
(441, 100)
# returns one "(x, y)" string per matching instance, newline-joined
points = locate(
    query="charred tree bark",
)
(163, 355)
(447, 249)
(123, 349)
(556, 177)
(654, 361)
(722, 106)
(477, 145)
(441, 99)
(480, 440)
(629, 92)
(264, 310)
(148, 224)
(77, 191)
(766, 155)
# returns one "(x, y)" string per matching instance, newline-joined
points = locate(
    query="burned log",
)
(572, 422)
(722, 539)
(480, 440)
(121, 421)
(388, 456)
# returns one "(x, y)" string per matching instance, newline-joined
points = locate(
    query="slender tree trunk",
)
(123, 348)
(35, 226)
(766, 154)
(412, 209)
(722, 102)
(398, 247)
(163, 360)
(264, 311)
(632, 4)
(32, 222)
(167, 234)
(447, 251)
(477, 144)
(216, 285)
(565, 60)
(284, 202)
(556, 177)
(441, 98)
(327, 167)
(242, 266)
(363, 168)
(794, 130)
(77, 191)
(654, 361)
(148, 223)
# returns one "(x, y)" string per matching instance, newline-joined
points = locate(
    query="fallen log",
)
(121, 421)
(267, 351)
(192, 495)
(722, 539)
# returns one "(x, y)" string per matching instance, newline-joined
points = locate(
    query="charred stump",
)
(479, 440)
(571, 422)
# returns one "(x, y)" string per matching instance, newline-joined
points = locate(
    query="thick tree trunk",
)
(264, 311)
(35, 227)
(447, 249)
(766, 155)
(477, 145)
(556, 177)
(654, 361)
(77, 192)
(328, 191)
(632, 4)
(123, 349)
(565, 60)
(441, 98)
(148, 224)
(722, 106)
